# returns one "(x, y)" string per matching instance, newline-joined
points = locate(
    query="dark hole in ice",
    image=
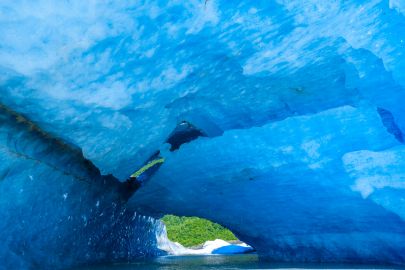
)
(183, 133)
(144, 173)
(389, 122)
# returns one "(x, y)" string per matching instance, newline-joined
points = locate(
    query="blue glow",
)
(301, 104)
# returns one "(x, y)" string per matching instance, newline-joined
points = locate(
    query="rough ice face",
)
(283, 188)
(296, 96)
(379, 175)
(125, 74)
(56, 210)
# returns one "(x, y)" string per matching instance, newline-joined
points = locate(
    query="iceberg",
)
(294, 138)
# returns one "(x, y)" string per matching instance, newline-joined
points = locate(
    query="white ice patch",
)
(208, 14)
(399, 5)
(376, 170)
(38, 34)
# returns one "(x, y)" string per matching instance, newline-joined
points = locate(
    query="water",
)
(222, 262)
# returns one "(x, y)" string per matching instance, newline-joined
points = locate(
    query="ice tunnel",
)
(289, 118)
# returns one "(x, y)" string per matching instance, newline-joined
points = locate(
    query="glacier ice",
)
(284, 189)
(300, 104)
(56, 210)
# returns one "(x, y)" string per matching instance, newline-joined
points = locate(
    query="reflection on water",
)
(221, 262)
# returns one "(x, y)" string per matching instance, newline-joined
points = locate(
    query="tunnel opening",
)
(183, 133)
(199, 236)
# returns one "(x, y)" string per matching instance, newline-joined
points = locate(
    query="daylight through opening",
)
(195, 235)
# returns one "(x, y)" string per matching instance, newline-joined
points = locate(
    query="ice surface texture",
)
(56, 210)
(302, 103)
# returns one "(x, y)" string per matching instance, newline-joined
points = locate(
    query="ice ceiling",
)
(301, 102)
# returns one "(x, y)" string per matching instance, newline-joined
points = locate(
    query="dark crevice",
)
(35, 144)
(183, 133)
(4, 174)
(143, 174)
(55, 151)
(30, 126)
(21, 155)
(389, 122)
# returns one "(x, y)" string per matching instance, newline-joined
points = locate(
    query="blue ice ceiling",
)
(301, 104)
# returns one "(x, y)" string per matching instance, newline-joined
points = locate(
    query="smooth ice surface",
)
(301, 103)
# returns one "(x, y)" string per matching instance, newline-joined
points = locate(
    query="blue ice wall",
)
(297, 189)
(301, 102)
(56, 210)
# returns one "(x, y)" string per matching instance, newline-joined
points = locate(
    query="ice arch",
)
(301, 105)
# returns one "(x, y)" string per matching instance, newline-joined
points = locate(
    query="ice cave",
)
(282, 120)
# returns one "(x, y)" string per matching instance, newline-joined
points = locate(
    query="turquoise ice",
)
(301, 104)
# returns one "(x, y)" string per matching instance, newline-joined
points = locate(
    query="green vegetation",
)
(192, 231)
